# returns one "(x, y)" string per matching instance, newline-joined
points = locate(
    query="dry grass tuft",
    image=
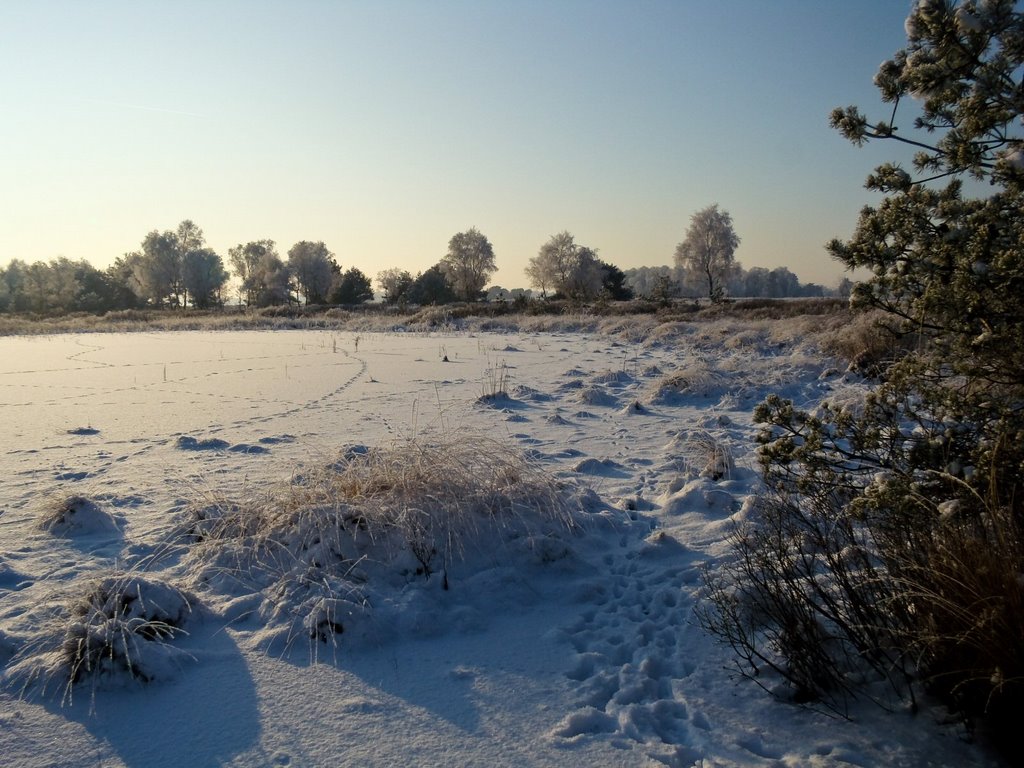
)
(703, 454)
(494, 383)
(696, 379)
(117, 629)
(319, 547)
(71, 515)
(867, 342)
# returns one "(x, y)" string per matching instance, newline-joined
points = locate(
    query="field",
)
(451, 547)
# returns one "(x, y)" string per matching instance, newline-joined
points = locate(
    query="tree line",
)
(176, 269)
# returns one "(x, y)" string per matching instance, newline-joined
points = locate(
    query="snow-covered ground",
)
(577, 647)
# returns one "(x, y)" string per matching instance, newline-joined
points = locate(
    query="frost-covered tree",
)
(14, 278)
(203, 276)
(895, 536)
(157, 269)
(709, 249)
(190, 237)
(245, 260)
(646, 281)
(566, 267)
(394, 284)
(265, 279)
(469, 263)
(63, 287)
(313, 267)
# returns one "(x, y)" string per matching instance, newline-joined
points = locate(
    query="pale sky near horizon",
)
(383, 128)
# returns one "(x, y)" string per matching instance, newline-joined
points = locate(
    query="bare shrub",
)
(802, 597)
(880, 553)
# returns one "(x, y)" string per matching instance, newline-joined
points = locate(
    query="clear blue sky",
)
(383, 128)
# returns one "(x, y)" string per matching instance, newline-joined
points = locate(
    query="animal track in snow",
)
(628, 661)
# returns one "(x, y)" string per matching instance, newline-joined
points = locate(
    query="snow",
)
(544, 640)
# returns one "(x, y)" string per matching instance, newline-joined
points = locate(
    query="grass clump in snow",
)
(703, 454)
(117, 629)
(121, 625)
(494, 384)
(73, 515)
(338, 541)
(696, 379)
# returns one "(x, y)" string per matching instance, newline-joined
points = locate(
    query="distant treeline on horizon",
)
(175, 269)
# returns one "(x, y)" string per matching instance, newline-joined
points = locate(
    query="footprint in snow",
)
(628, 655)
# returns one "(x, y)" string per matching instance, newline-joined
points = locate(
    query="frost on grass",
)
(75, 515)
(117, 629)
(381, 542)
(703, 454)
(695, 380)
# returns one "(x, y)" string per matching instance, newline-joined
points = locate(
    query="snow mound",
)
(595, 395)
(11, 580)
(497, 400)
(696, 380)
(379, 545)
(247, 448)
(620, 378)
(523, 392)
(701, 496)
(277, 439)
(119, 629)
(634, 408)
(76, 515)
(602, 467)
